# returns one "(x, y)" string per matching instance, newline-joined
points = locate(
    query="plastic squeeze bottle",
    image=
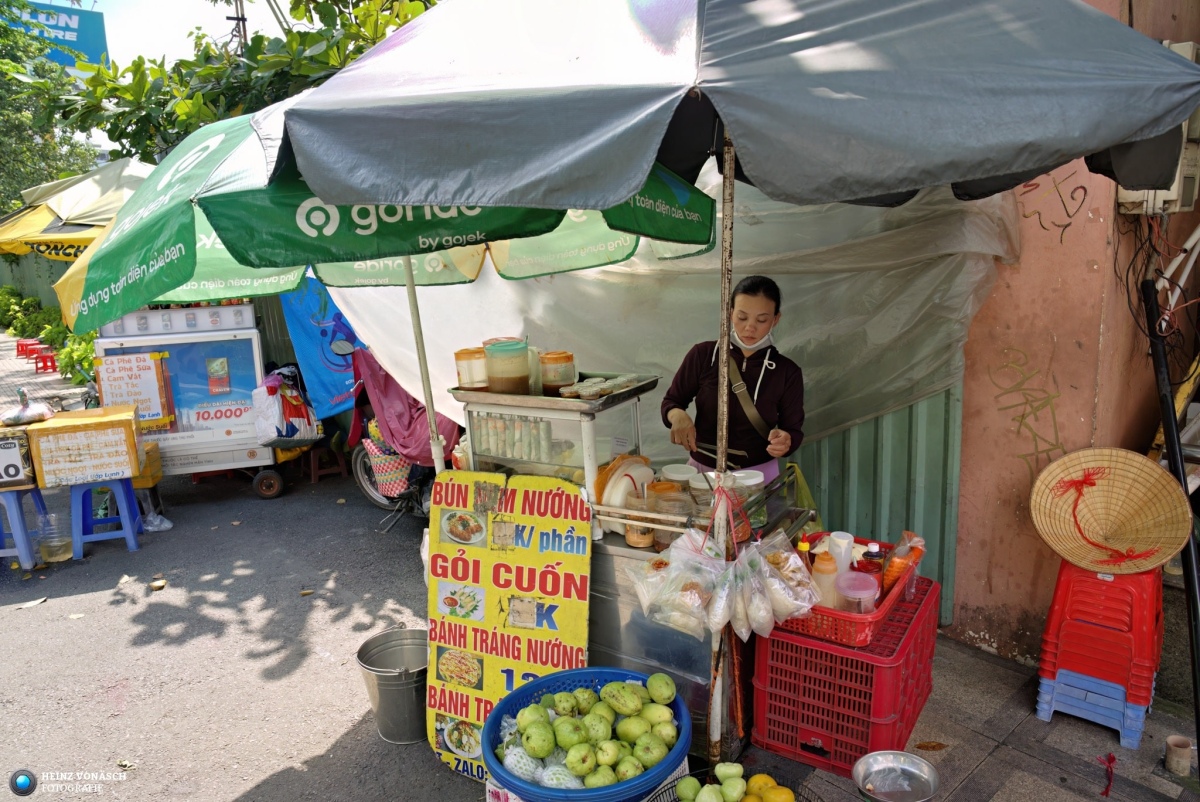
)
(824, 573)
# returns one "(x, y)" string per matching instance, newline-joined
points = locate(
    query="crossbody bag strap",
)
(739, 389)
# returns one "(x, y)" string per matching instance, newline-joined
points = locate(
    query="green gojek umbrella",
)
(220, 174)
(284, 223)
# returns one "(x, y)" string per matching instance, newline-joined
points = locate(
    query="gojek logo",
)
(193, 157)
(315, 214)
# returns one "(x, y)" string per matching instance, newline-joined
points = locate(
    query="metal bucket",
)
(394, 664)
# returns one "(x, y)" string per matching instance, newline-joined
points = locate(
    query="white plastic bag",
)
(687, 588)
(788, 584)
(647, 577)
(758, 606)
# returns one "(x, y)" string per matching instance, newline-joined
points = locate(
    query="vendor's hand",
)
(779, 443)
(683, 431)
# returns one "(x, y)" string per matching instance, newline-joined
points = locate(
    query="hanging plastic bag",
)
(754, 592)
(682, 599)
(720, 609)
(26, 411)
(788, 584)
(647, 578)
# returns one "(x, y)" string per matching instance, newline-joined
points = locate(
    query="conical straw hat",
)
(1111, 511)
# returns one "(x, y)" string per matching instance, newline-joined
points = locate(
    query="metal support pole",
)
(1174, 452)
(437, 444)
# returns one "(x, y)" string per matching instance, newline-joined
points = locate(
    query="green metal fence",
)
(895, 472)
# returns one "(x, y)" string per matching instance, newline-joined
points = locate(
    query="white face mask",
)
(758, 346)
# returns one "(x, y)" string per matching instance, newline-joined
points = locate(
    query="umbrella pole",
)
(719, 702)
(436, 444)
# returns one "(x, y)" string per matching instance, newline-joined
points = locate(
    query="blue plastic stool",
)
(1094, 700)
(13, 527)
(83, 524)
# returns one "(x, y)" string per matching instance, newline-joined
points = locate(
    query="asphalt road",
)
(228, 684)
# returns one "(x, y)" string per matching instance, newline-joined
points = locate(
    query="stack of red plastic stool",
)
(1101, 648)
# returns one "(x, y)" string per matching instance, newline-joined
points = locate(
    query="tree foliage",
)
(148, 107)
(36, 149)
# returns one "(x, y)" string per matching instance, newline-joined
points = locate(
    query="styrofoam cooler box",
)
(87, 445)
(181, 321)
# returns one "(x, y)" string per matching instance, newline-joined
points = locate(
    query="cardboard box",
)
(16, 466)
(152, 468)
(87, 445)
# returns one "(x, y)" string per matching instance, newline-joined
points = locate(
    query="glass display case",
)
(567, 438)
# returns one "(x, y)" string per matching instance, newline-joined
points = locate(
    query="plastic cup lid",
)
(679, 471)
(748, 477)
(854, 585)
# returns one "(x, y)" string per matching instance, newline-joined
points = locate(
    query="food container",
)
(588, 392)
(701, 486)
(656, 489)
(508, 367)
(753, 483)
(678, 473)
(558, 371)
(872, 569)
(472, 368)
(570, 391)
(856, 592)
(640, 534)
(677, 504)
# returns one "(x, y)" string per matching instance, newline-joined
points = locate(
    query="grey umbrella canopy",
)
(552, 104)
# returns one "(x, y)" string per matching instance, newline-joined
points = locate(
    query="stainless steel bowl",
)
(922, 777)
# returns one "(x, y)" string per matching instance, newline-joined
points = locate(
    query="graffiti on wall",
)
(1054, 200)
(1023, 395)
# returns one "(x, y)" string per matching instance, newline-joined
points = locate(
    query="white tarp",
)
(876, 307)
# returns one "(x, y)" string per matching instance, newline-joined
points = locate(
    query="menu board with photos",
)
(509, 565)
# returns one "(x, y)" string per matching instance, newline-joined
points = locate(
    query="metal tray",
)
(644, 385)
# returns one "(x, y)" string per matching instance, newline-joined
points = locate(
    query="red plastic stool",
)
(1106, 626)
(45, 363)
(24, 346)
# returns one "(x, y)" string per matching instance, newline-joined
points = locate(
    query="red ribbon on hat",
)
(1109, 763)
(1089, 478)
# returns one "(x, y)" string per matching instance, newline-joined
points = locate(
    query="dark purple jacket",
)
(774, 383)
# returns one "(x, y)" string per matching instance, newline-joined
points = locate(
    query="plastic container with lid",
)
(558, 371)
(824, 574)
(472, 368)
(678, 473)
(588, 392)
(753, 482)
(678, 504)
(856, 592)
(508, 367)
(656, 489)
(570, 391)
(639, 532)
(872, 569)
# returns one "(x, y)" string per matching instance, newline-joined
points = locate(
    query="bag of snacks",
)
(683, 597)
(751, 568)
(788, 584)
(647, 577)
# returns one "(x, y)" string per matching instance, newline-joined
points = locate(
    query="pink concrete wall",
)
(1055, 362)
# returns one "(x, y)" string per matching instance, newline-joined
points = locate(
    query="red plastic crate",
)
(851, 629)
(828, 705)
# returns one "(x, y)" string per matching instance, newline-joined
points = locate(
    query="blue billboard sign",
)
(73, 27)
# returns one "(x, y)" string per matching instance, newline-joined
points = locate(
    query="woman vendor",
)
(766, 416)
